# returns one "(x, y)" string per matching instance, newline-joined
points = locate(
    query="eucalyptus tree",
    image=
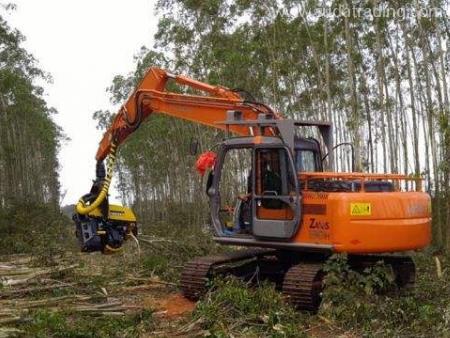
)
(29, 139)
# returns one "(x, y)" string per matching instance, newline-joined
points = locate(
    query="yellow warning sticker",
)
(360, 209)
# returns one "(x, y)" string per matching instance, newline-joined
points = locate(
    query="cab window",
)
(305, 160)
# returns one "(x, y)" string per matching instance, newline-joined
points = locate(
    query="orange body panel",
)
(398, 221)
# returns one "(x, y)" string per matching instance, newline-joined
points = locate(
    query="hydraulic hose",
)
(81, 207)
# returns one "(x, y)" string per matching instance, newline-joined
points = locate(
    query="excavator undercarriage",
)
(298, 275)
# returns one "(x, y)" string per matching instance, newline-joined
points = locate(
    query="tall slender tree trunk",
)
(355, 123)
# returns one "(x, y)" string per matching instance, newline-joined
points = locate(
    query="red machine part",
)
(205, 162)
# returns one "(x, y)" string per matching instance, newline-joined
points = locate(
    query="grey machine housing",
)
(268, 233)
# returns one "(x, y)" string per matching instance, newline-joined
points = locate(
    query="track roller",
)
(196, 273)
(303, 284)
(194, 277)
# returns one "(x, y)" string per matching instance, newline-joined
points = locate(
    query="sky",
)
(83, 44)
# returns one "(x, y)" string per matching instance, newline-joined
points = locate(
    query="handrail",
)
(362, 177)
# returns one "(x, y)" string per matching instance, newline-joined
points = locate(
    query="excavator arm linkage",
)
(92, 212)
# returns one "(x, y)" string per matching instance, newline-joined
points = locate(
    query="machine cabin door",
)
(276, 197)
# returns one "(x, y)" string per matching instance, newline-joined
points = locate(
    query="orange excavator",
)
(271, 190)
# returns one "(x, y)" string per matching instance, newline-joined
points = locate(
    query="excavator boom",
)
(151, 96)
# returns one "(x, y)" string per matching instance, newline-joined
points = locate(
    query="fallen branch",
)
(8, 312)
(152, 281)
(16, 259)
(438, 267)
(10, 320)
(87, 309)
(158, 240)
(142, 287)
(137, 244)
(11, 282)
(14, 271)
(21, 304)
(118, 313)
(33, 289)
(10, 332)
(45, 280)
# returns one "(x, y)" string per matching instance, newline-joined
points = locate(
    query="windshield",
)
(305, 160)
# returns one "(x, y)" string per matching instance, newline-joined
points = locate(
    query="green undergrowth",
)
(69, 325)
(235, 309)
(369, 303)
(365, 303)
(36, 229)
(166, 248)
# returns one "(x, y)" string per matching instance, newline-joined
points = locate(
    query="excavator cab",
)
(254, 191)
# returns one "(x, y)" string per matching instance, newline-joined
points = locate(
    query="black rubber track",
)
(196, 273)
(194, 277)
(302, 286)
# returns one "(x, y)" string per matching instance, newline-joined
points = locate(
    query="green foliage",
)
(34, 228)
(369, 281)
(368, 303)
(156, 264)
(233, 308)
(173, 245)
